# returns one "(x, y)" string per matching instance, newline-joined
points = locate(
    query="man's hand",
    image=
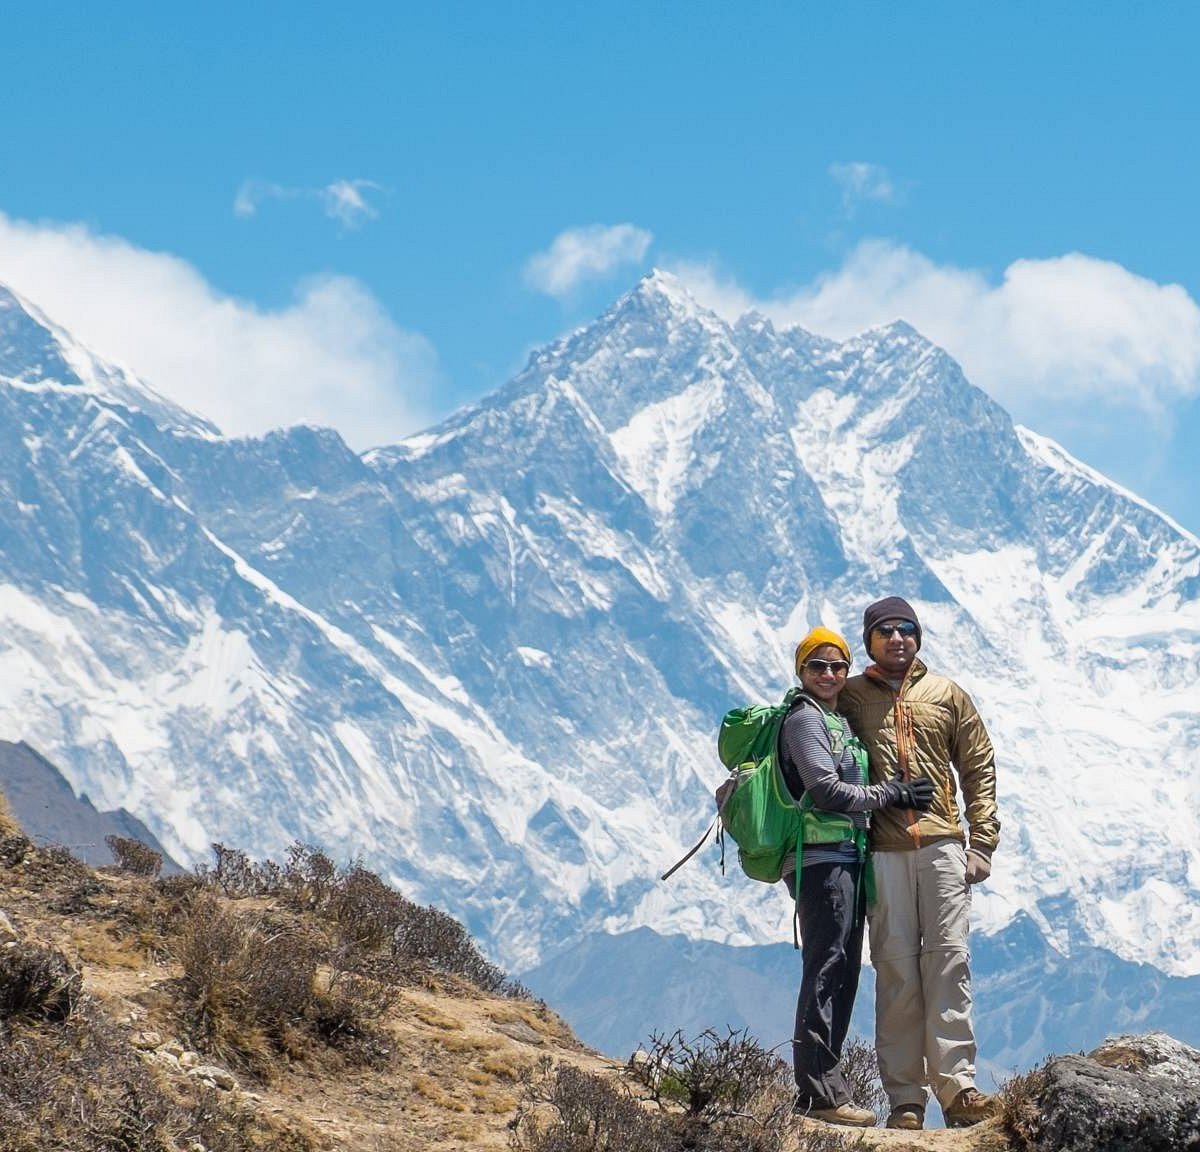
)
(916, 793)
(979, 867)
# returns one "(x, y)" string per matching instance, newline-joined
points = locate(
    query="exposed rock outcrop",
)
(1132, 1094)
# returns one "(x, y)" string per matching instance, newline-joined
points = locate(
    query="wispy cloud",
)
(588, 253)
(332, 356)
(344, 200)
(861, 182)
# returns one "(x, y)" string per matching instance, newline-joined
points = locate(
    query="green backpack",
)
(753, 806)
(756, 811)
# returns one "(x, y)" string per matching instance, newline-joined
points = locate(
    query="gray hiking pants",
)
(918, 931)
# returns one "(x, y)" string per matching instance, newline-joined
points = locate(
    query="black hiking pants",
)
(832, 910)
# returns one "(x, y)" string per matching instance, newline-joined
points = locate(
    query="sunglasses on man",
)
(905, 628)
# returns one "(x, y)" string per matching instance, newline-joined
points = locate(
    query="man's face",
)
(893, 646)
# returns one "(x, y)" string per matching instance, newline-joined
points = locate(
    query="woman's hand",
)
(916, 793)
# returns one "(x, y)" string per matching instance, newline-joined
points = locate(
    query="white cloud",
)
(344, 200)
(860, 181)
(331, 357)
(589, 253)
(1065, 330)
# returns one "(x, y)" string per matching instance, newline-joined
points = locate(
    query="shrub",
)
(714, 1094)
(566, 1109)
(369, 916)
(13, 849)
(861, 1069)
(307, 877)
(1020, 1107)
(77, 1085)
(243, 987)
(710, 1074)
(133, 856)
(366, 910)
(429, 936)
(238, 876)
(37, 983)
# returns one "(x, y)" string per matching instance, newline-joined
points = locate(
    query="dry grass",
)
(9, 827)
(1020, 1108)
(436, 1018)
(292, 979)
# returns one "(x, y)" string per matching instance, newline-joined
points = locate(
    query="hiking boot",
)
(970, 1107)
(851, 1115)
(910, 1116)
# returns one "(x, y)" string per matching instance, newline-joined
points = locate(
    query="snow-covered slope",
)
(490, 660)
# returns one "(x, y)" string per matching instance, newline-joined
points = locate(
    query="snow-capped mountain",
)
(490, 660)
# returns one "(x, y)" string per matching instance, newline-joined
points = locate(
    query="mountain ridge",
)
(490, 659)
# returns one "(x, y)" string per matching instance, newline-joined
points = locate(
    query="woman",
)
(825, 768)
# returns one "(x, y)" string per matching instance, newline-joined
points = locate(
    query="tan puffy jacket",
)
(938, 726)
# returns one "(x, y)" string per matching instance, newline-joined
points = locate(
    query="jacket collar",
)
(916, 670)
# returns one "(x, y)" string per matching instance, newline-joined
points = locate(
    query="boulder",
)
(1132, 1094)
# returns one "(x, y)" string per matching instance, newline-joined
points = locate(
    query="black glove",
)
(916, 793)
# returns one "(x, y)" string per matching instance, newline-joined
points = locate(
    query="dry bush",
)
(14, 849)
(67, 883)
(308, 876)
(861, 1069)
(1020, 1108)
(77, 1085)
(371, 917)
(255, 987)
(37, 983)
(243, 987)
(710, 1074)
(714, 1093)
(133, 856)
(427, 936)
(366, 910)
(346, 1016)
(566, 1109)
(151, 915)
(238, 876)
(219, 1122)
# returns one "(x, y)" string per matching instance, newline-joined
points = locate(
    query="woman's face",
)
(824, 673)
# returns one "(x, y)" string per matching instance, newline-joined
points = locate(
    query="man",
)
(919, 724)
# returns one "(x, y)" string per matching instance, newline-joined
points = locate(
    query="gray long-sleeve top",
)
(807, 764)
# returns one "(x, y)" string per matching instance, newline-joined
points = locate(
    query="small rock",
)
(7, 932)
(189, 1060)
(218, 1077)
(520, 1031)
(146, 1040)
(173, 1047)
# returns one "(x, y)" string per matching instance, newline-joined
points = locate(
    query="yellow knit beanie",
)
(814, 640)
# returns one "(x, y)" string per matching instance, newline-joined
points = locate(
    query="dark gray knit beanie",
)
(890, 608)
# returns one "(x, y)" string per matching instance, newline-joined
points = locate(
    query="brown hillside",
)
(254, 1007)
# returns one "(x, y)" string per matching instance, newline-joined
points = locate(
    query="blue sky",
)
(369, 214)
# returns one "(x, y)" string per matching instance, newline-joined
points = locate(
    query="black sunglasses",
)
(905, 628)
(820, 667)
